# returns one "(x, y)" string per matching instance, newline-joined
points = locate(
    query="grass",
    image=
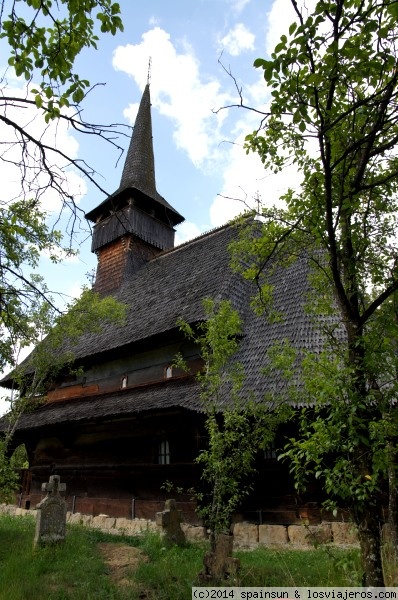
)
(77, 570)
(161, 579)
(73, 570)
(273, 568)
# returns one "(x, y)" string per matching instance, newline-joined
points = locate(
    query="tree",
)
(334, 114)
(44, 40)
(237, 427)
(55, 335)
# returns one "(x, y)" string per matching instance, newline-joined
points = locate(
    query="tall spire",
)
(135, 223)
(139, 168)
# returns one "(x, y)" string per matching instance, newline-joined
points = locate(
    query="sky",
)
(201, 166)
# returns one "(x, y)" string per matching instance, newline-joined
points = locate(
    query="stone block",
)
(109, 523)
(344, 533)
(245, 535)
(301, 535)
(151, 525)
(87, 520)
(123, 524)
(272, 535)
(74, 518)
(115, 531)
(298, 535)
(103, 522)
(138, 526)
(194, 534)
(9, 509)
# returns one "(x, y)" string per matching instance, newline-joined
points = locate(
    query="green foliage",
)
(235, 436)
(218, 340)
(24, 235)
(19, 459)
(8, 476)
(236, 428)
(333, 112)
(46, 37)
(55, 335)
(44, 40)
(340, 424)
(320, 567)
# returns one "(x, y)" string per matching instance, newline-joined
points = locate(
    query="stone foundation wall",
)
(246, 535)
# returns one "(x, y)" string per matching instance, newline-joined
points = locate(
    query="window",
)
(270, 452)
(164, 453)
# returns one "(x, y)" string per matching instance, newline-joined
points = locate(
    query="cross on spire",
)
(148, 79)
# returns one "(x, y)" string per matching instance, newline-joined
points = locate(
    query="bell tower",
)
(135, 223)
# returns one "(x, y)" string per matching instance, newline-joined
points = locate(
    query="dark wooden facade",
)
(114, 466)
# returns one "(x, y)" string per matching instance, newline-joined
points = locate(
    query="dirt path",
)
(122, 561)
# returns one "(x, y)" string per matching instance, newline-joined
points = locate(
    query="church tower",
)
(135, 223)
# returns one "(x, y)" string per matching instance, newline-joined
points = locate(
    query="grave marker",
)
(51, 514)
(169, 522)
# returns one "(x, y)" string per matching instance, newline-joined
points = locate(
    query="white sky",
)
(199, 154)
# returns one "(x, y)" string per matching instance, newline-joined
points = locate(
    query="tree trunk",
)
(368, 522)
(392, 474)
(219, 565)
(367, 513)
(392, 500)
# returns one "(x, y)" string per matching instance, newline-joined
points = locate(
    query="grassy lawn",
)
(79, 569)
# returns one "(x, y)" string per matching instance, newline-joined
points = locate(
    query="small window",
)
(270, 452)
(164, 453)
(124, 381)
(168, 372)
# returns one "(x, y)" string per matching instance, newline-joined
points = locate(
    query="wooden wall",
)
(116, 463)
(112, 468)
(138, 368)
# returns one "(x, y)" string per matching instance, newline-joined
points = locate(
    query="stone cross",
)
(53, 486)
(169, 523)
(51, 514)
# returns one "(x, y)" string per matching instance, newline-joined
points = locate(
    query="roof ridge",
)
(193, 240)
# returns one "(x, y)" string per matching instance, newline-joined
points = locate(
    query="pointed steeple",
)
(139, 170)
(135, 223)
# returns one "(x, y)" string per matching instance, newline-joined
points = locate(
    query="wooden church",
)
(132, 421)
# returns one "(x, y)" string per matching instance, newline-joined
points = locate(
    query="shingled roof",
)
(168, 395)
(167, 287)
(173, 285)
